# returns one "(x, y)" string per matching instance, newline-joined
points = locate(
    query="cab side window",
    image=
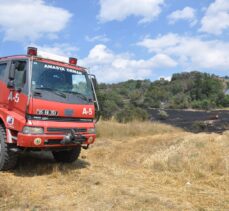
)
(20, 74)
(2, 70)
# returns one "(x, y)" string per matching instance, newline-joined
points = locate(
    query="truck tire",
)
(67, 156)
(8, 159)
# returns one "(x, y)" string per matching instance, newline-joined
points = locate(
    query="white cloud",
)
(99, 38)
(111, 67)
(188, 14)
(22, 20)
(118, 10)
(160, 43)
(216, 19)
(190, 52)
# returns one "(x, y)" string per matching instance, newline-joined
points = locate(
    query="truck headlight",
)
(91, 130)
(33, 130)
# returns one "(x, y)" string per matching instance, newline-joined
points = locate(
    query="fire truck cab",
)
(47, 102)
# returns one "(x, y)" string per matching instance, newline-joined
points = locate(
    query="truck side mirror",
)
(10, 84)
(16, 66)
(12, 72)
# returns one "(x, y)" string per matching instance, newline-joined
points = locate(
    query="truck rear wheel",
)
(67, 156)
(8, 159)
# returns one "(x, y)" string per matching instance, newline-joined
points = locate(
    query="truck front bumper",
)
(50, 140)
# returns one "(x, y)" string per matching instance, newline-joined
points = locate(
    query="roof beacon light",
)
(72, 61)
(32, 51)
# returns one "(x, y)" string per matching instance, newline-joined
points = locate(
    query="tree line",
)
(133, 99)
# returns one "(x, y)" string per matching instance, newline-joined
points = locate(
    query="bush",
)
(131, 113)
(199, 126)
(225, 101)
(163, 115)
(107, 109)
(203, 104)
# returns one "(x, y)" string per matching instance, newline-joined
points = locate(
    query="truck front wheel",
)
(8, 159)
(67, 156)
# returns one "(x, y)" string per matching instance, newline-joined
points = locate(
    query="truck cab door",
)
(17, 86)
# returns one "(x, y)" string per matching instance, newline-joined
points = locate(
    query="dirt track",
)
(173, 170)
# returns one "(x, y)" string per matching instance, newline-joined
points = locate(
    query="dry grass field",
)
(137, 166)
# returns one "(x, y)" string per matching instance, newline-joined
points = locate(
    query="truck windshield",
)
(61, 80)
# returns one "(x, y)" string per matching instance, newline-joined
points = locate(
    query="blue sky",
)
(122, 39)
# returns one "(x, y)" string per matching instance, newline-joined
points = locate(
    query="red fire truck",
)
(47, 102)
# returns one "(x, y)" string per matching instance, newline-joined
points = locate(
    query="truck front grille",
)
(57, 118)
(66, 130)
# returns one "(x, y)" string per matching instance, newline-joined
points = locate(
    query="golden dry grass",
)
(113, 129)
(137, 166)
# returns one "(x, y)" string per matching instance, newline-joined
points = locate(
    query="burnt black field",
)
(193, 120)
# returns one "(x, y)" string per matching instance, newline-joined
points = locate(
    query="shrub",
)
(163, 115)
(131, 113)
(199, 126)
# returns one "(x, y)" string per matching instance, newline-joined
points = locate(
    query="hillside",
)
(136, 166)
(131, 99)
